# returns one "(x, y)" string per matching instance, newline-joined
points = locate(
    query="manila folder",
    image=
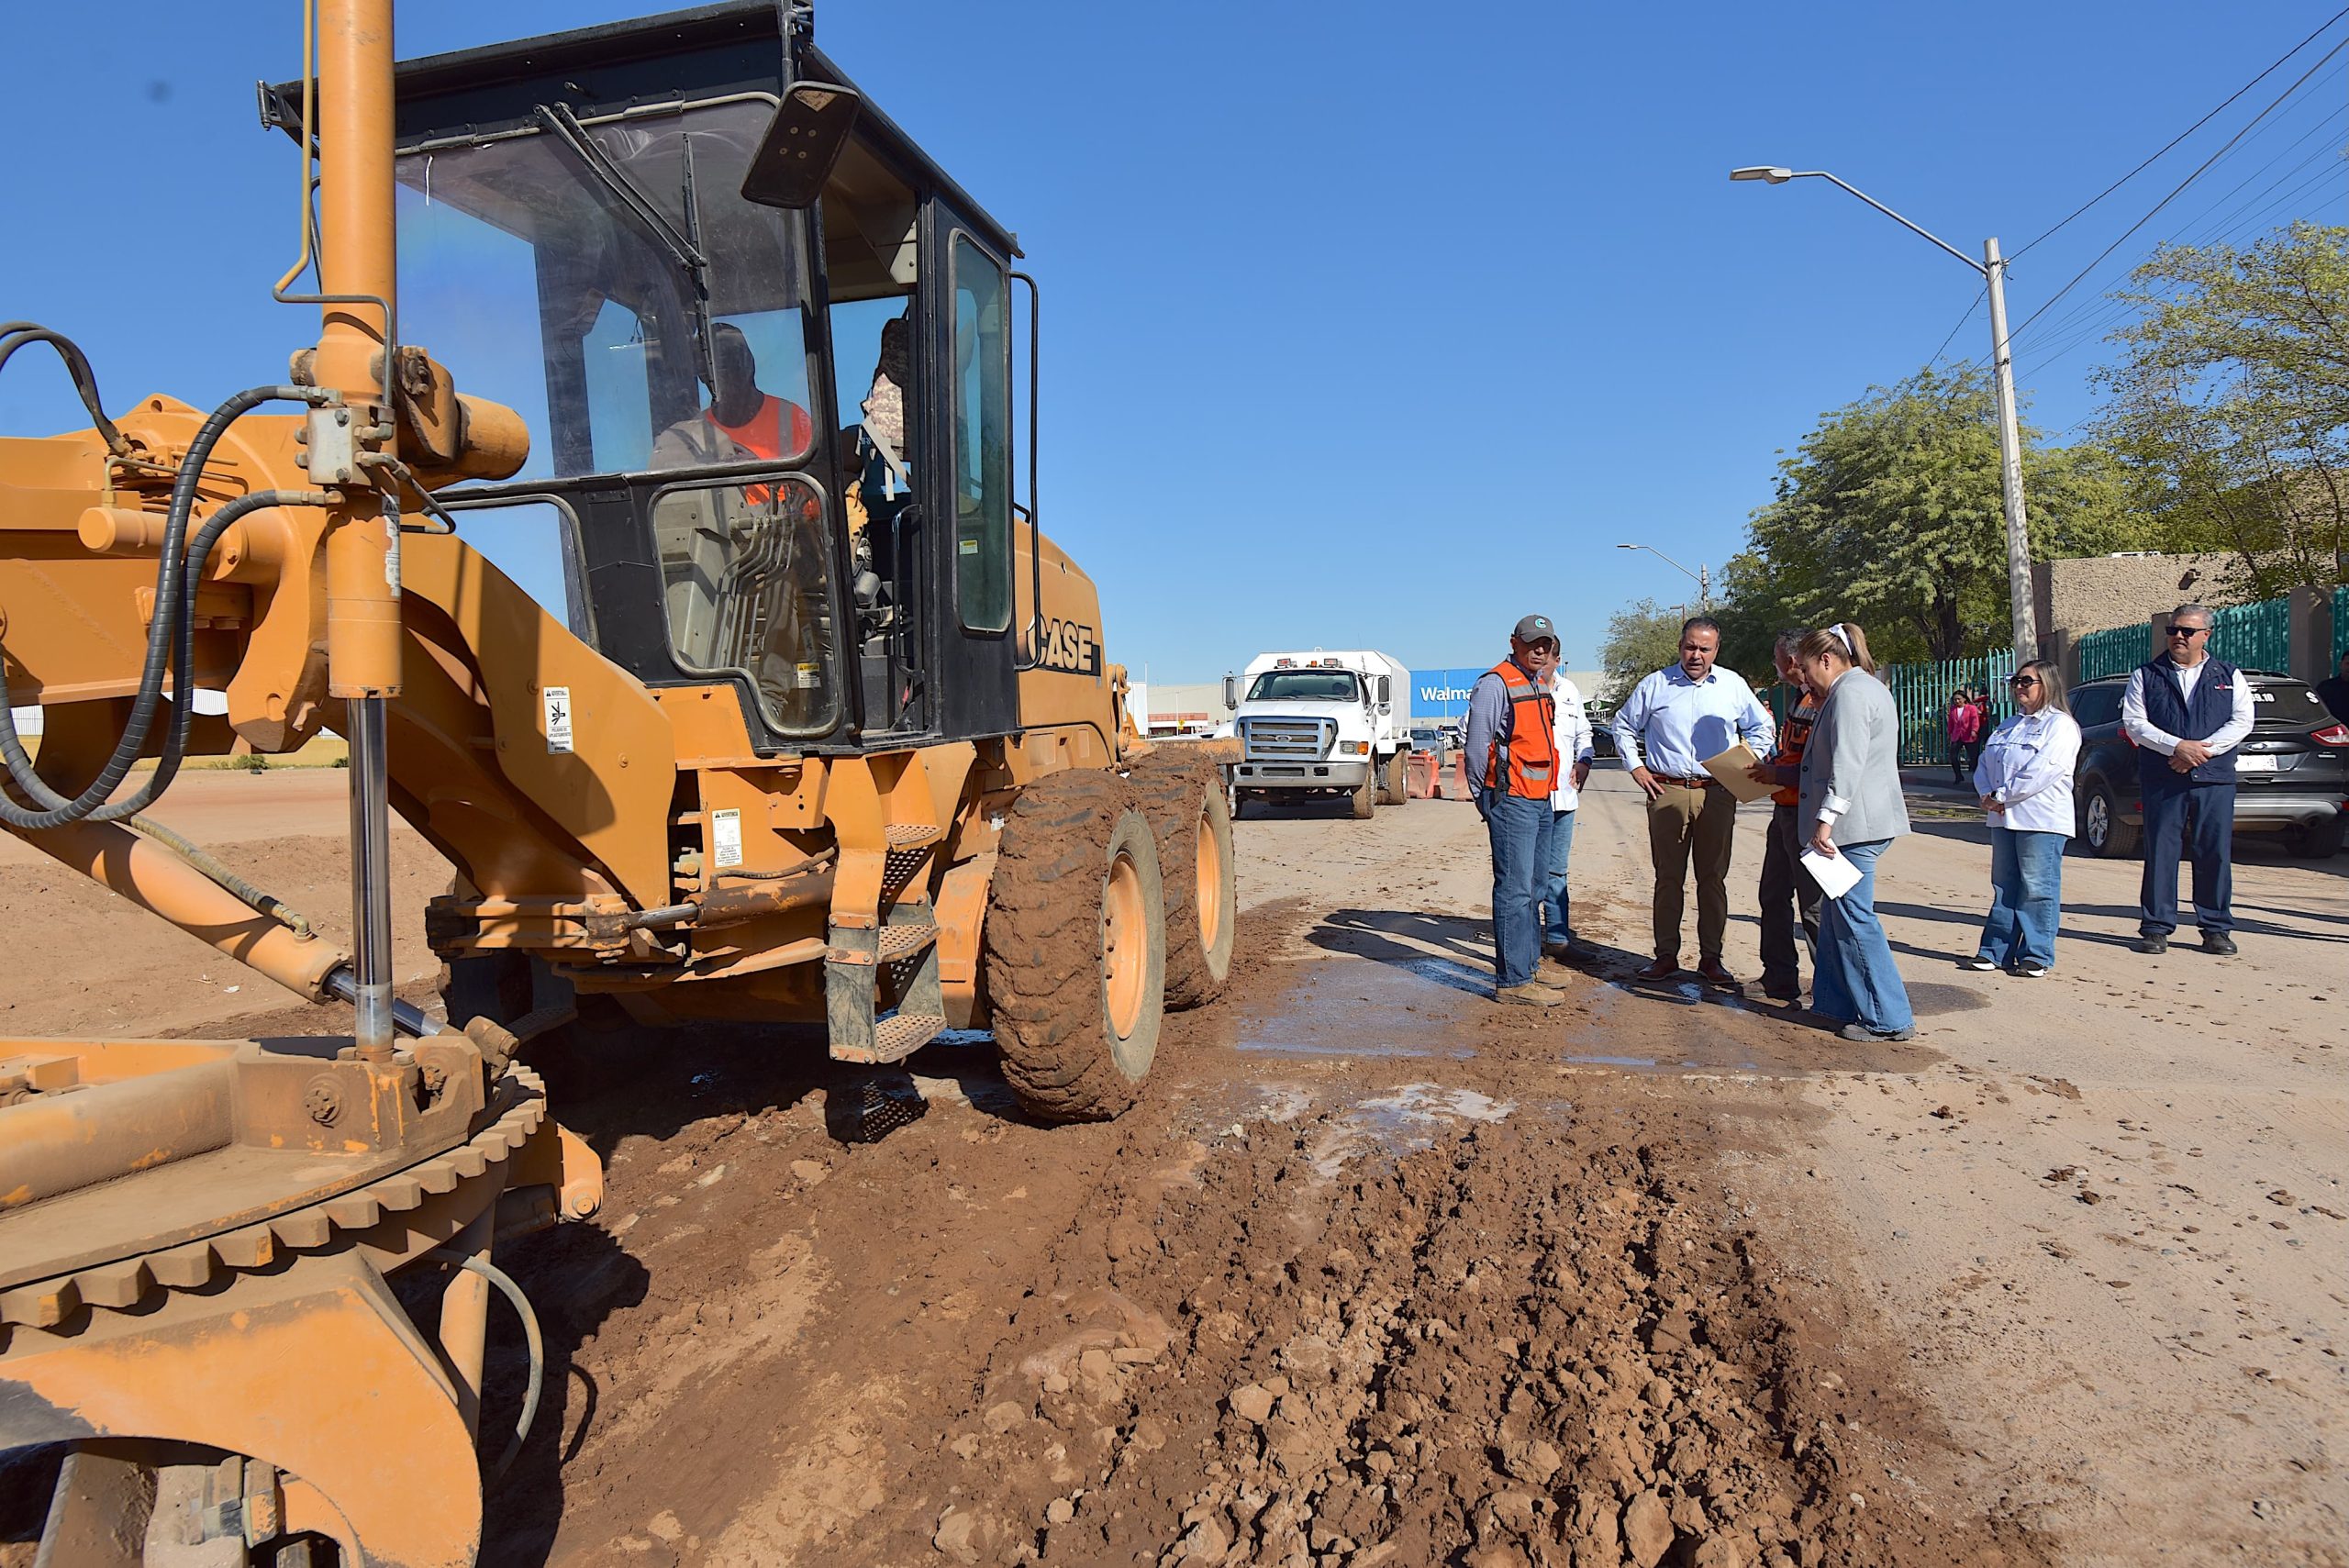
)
(1731, 767)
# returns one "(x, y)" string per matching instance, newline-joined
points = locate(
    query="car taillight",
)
(2332, 734)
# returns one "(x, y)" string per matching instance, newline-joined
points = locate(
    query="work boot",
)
(2219, 942)
(1533, 994)
(2152, 942)
(1782, 988)
(1662, 969)
(1715, 973)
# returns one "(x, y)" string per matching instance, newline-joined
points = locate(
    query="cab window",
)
(982, 440)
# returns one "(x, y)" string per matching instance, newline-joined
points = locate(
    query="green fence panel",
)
(1922, 694)
(2254, 636)
(2113, 652)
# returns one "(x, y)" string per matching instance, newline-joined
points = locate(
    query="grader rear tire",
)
(1075, 946)
(1184, 802)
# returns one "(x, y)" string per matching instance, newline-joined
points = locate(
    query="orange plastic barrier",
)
(1422, 783)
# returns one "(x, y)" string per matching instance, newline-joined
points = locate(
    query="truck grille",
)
(1285, 737)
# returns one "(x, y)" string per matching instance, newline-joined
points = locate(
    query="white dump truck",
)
(1321, 723)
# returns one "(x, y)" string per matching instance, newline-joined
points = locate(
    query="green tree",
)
(1643, 638)
(1890, 514)
(2230, 407)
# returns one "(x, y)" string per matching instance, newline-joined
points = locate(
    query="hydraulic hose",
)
(52, 809)
(534, 1345)
(15, 335)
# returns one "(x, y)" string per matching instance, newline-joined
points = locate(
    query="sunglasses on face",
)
(2186, 630)
(2022, 680)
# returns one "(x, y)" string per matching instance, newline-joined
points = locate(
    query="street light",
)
(1992, 270)
(1702, 575)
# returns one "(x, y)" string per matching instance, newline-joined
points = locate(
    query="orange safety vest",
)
(763, 437)
(1529, 751)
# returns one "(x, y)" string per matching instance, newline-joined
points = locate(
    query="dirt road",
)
(1383, 1274)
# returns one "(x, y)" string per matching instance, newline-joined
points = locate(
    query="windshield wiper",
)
(567, 130)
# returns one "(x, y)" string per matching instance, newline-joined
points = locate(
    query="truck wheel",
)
(1075, 946)
(1185, 806)
(1364, 801)
(1394, 780)
(2101, 830)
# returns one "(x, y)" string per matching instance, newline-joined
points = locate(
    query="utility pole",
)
(2002, 370)
(2024, 616)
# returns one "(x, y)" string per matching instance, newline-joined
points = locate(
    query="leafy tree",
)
(2230, 405)
(1643, 638)
(1890, 514)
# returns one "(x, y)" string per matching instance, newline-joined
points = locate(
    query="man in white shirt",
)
(1672, 721)
(1574, 742)
(2187, 712)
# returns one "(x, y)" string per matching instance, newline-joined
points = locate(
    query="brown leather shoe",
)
(1662, 969)
(1713, 972)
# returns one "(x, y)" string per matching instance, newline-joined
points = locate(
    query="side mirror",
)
(803, 141)
(1231, 691)
(1386, 690)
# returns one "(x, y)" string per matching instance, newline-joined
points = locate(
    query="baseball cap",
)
(1533, 628)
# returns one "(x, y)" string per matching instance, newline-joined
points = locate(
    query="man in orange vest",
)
(741, 424)
(1512, 754)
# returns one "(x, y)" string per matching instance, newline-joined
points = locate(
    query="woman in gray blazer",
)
(1850, 806)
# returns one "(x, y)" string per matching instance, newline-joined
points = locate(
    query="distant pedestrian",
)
(1964, 725)
(2025, 780)
(2187, 712)
(1787, 892)
(1850, 801)
(1513, 757)
(1575, 753)
(1666, 730)
(2334, 690)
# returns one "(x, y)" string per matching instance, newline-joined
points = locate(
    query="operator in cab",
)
(743, 423)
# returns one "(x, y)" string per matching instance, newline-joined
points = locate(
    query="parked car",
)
(1430, 738)
(2291, 771)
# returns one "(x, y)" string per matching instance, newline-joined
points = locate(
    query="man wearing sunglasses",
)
(2187, 712)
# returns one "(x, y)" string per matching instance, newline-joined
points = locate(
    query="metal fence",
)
(1922, 694)
(2113, 652)
(2254, 636)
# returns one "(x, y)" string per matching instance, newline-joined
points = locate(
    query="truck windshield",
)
(1306, 685)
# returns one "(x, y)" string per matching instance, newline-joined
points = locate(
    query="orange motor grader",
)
(709, 632)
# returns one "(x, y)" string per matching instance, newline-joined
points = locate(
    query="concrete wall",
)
(2092, 592)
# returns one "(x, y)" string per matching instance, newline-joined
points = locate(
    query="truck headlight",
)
(1352, 748)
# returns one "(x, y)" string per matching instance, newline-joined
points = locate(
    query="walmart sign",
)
(1439, 694)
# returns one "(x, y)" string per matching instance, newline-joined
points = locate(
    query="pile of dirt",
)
(1527, 1346)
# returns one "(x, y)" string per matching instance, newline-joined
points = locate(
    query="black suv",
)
(2291, 771)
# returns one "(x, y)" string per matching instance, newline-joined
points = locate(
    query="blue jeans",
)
(2199, 820)
(1519, 830)
(1855, 979)
(2026, 897)
(1557, 921)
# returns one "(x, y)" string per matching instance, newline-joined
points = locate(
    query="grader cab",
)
(653, 520)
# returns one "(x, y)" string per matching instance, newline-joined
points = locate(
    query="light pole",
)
(1992, 270)
(1702, 575)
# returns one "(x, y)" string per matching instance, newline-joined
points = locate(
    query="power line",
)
(2178, 189)
(1979, 294)
(2190, 130)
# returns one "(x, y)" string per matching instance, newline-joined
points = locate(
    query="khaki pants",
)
(1686, 823)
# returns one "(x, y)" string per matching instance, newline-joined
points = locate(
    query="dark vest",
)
(2168, 707)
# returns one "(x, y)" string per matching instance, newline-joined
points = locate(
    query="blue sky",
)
(1369, 325)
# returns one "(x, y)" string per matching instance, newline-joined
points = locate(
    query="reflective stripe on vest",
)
(1529, 751)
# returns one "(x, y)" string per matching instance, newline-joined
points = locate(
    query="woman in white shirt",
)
(2025, 780)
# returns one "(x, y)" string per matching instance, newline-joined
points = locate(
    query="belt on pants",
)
(1708, 782)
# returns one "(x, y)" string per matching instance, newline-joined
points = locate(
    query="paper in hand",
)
(1835, 876)
(1731, 767)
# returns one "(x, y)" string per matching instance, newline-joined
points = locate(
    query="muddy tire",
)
(1185, 806)
(1364, 803)
(1075, 946)
(1394, 780)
